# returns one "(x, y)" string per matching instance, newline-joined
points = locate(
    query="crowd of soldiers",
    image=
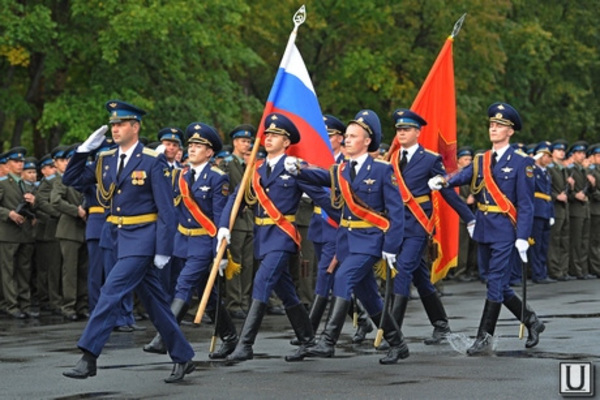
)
(80, 241)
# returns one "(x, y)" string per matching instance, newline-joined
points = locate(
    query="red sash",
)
(194, 208)
(272, 210)
(408, 199)
(506, 206)
(358, 210)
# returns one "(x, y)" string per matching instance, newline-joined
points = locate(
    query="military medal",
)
(138, 177)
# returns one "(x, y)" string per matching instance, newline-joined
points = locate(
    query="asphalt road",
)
(34, 353)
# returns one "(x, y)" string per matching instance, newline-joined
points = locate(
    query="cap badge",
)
(500, 107)
(112, 105)
(197, 127)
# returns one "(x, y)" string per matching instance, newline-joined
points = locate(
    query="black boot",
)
(227, 333)
(85, 367)
(531, 321)
(179, 371)
(333, 328)
(438, 318)
(364, 325)
(487, 326)
(315, 314)
(157, 346)
(243, 350)
(303, 328)
(398, 348)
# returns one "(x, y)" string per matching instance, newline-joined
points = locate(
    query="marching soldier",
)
(413, 166)
(273, 193)
(131, 182)
(562, 184)
(17, 204)
(371, 228)
(594, 195)
(502, 181)
(543, 214)
(200, 194)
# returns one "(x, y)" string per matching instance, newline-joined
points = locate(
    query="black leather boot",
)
(438, 318)
(398, 348)
(85, 367)
(315, 314)
(227, 333)
(364, 325)
(243, 350)
(487, 326)
(179, 371)
(157, 346)
(303, 328)
(530, 319)
(326, 345)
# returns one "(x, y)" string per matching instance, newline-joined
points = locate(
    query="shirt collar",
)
(360, 160)
(128, 153)
(273, 161)
(411, 151)
(500, 152)
(199, 169)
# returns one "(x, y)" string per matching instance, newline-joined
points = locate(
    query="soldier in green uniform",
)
(466, 270)
(558, 249)
(16, 236)
(70, 233)
(594, 195)
(239, 288)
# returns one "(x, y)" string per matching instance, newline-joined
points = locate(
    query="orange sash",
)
(408, 199)
(194, 208)
(272, 210)
(506, 206)
(356, 209)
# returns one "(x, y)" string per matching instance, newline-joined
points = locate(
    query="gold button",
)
(349, 229)
(267, 190)
(118, 208)
(349, 217)
(119, 191)
(189, 220)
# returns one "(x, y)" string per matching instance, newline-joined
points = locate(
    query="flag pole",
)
(298, 19)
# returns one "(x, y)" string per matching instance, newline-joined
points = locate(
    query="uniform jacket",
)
(514, 176)
(578, 208)
(67, 201)
(45, 229)
(594, 195)
(143, 187)
(543, 184)
(235, 169)
(11, 194)
(558, 177)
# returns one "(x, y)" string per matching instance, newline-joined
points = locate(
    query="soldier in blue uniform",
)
(275, 195)
(416, 166)
(503, 184)
(201, 192)
(371, 228)
(141, 225)
(543, 214)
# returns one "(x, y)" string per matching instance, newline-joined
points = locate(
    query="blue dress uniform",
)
(359, 243)
(494, 231)
(543, 212)
(141, 225)
(272, 246)
(420, 165)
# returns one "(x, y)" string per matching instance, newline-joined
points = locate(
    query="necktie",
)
(268, 170)
(192, 176)
(353, 165)
(403, 160)
(121, 165)
(494, 155)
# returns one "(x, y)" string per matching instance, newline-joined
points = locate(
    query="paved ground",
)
(34, 353)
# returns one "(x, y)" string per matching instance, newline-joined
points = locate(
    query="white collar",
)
(199, 169)
(128, 153)
(360, 160)
(273, 161)
(500, 152)
(411, 151)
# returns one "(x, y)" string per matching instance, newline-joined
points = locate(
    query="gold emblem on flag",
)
(138, 177)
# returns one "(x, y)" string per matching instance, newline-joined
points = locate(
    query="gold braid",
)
(103, 196)
(337, 202)
(249, 196)
(475, 189)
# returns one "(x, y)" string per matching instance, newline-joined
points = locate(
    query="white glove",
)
(436, 183)
(390, 259)
(160, 261)
(94, 141)
(291, 165)
(552, 221)
(522, 245)
(160, 149)
(223, 266)
(223, 234)
(471, 228)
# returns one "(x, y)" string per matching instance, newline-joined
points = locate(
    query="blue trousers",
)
(325, 252)
(193, 276)
(125, 316)
(498, 259)
(412, 268)
(128, 274)
(95, 272)
(169, 275)
(355, 275)
(538, 253)
(274, 275)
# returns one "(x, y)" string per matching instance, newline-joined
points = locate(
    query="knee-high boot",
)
(227, 333)
(438, 318)
(178, 308)
(315, 314)
(530, 319)
(487, 326)
(243, 350)
(304, 331)
(364, 325)
(398, 348)
(326, 345)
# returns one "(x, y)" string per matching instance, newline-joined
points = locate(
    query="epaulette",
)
(107, 153)
(3, 178)
(50, 177)
(217, 170)
(551, 165)
(431, 152)
(381, 161)
(521, 153)
(149, 152)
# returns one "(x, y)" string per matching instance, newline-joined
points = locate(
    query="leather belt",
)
(542, 196)
(191, 231)
(132, 219)
(96, 210)
(489, 208)
(422, 199)
(356, 224)
(270, 221)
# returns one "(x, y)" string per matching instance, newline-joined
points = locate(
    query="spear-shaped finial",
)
(457, 26)
(299, 17)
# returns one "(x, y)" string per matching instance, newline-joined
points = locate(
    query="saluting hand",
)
(94, 141)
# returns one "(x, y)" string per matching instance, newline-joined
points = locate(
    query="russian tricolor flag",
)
(293, 95)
